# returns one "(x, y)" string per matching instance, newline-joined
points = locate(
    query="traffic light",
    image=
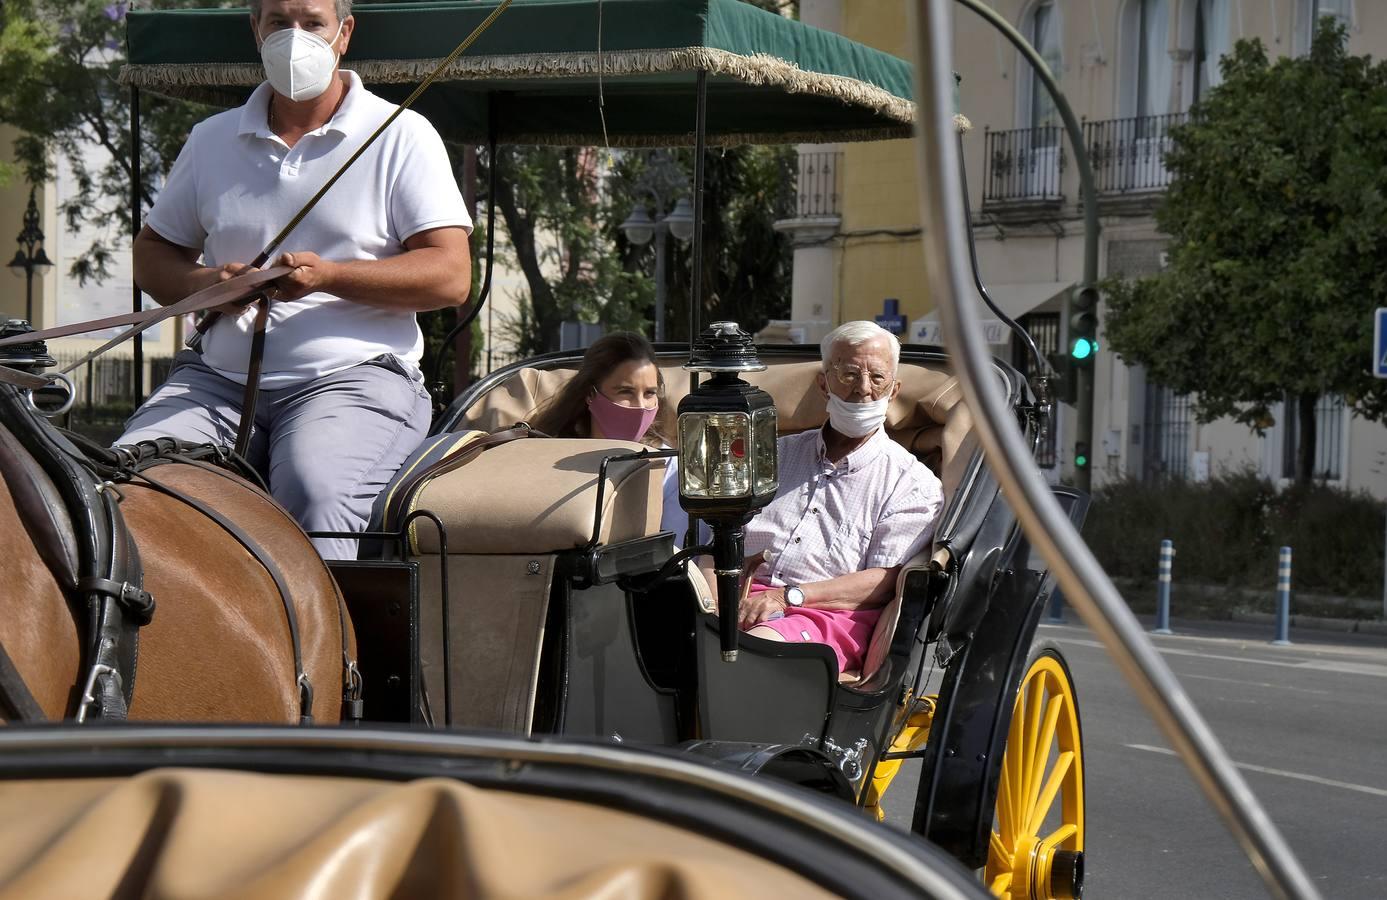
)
(1083, 326)
(1081, 456)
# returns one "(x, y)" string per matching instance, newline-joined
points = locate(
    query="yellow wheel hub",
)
(1036, 849)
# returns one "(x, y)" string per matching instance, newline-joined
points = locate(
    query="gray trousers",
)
(326, 448)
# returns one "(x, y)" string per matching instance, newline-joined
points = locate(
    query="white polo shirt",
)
(236, 184)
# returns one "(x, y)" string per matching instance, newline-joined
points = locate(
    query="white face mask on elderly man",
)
(298, 63)
(856, 420)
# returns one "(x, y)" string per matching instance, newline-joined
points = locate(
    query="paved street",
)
(1307, 724)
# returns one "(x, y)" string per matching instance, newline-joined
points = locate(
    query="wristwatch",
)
(794, 597)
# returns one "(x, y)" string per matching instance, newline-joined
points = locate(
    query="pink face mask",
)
(622, 423)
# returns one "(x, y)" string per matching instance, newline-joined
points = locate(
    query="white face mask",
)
(856, 420)
(298, 63)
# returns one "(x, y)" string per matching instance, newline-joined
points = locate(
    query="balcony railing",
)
(818, 191)
(1128, 155)
(1023, 165)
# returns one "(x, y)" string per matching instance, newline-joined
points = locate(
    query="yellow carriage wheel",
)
(1037, 846)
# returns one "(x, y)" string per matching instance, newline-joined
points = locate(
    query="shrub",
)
(1227, 532)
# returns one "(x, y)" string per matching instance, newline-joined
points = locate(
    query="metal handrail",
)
(1128, 155)
(1083, 580)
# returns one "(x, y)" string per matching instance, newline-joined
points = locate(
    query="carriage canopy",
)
(551, 71)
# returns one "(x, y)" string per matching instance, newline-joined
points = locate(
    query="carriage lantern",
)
(727, 457)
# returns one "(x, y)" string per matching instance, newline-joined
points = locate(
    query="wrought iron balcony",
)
(817, 187)
(1128, 155)
(1023, 166)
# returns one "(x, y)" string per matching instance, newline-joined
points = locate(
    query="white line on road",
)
(1299, 776)
(1265, 684)
(1348, 668)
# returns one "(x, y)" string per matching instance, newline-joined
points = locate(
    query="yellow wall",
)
(879, 195)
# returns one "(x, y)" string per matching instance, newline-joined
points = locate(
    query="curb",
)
(1316, 623)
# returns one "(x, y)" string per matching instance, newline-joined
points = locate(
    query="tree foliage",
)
(59, 60)
(1277, 217)
(563, 207)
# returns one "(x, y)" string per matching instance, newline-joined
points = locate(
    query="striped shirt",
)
(876, 507)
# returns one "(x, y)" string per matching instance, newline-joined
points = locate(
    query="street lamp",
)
(727, 458)
(639, 228)
(30, 258)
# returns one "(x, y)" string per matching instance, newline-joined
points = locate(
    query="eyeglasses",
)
(851, 376)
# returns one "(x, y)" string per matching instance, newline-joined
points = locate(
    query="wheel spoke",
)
(1012, 763)
(1041, 808)
(1000, 852)
(1038, 754)
(1034, 705)
(1006, 811)
(1061, 834)
(1041, 750)
(1001, 885)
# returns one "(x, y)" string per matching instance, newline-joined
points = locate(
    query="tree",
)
(562, 217)
(59, 60)
(1277, 217)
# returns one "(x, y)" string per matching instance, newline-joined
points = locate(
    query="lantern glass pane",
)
(713, 455)
(764, 451)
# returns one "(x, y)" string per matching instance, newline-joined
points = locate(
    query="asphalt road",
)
(1306, 724)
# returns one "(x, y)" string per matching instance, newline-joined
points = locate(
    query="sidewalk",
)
(1209, 602)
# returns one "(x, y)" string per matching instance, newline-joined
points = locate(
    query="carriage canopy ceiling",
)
(542, 66)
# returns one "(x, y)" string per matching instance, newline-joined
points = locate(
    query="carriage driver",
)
(852, 507)
(343, 400)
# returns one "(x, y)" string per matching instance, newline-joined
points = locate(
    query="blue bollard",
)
(1163, 589)
(1283, 599)
(1055, 614)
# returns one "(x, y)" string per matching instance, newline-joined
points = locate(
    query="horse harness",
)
(82, 538)
(71, 508)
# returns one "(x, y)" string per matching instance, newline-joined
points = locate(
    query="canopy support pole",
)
(136, 302)
(700, 148)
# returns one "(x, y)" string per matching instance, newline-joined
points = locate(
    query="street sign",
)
(931, 331)
(1380, 342)
(891, 318)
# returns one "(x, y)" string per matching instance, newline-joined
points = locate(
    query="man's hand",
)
(215, 276)
(759, 606)
(311, 274)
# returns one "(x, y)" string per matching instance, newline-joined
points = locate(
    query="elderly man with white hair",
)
(853, 506)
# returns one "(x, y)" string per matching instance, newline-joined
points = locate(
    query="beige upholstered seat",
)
(504, 534)
(928, 417)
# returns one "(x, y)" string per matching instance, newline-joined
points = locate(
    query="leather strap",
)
(17, 702)
(137, 601)
(252, 391)
(268, 564)
(104, 550)
(230, 466)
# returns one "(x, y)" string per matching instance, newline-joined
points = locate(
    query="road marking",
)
(1265, 684)
(1299, 776)
(1348, 668)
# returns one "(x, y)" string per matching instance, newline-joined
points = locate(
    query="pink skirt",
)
(847, 631)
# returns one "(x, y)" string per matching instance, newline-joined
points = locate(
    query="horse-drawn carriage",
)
(521, 584)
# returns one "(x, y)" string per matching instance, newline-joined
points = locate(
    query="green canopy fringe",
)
(200, 82)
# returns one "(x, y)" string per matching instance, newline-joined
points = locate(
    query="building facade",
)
(1130, 69)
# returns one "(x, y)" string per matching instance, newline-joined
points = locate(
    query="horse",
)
(244, 621)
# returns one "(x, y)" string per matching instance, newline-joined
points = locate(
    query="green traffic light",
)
(1081, 461)
(1083, 348)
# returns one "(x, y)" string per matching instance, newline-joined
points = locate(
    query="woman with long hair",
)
(618, 393)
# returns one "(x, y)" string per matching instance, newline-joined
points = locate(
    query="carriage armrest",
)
(880, 646)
